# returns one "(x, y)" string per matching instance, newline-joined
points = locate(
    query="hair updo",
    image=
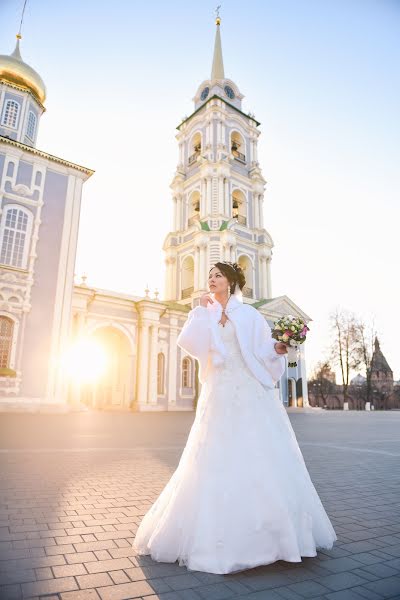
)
(233, 272)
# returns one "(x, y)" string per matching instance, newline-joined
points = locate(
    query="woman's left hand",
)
(281, 348)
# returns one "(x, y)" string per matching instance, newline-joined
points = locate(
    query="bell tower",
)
(217, 193)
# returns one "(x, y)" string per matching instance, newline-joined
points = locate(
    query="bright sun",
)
(85, 361)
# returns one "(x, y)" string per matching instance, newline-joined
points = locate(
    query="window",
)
(186, 373)
(10, 114)
(31, 127)
(160, 373)
(15, 230)
(6, 335)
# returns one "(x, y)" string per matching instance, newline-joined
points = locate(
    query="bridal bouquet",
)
(292, 332)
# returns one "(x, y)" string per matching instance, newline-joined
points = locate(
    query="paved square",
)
(74, 488)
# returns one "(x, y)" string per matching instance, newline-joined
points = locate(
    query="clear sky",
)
(323, 78)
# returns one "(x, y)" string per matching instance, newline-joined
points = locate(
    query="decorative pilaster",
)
(172, 361)
(142, 363)
(152, 371)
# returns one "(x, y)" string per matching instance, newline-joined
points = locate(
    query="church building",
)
(217, 214)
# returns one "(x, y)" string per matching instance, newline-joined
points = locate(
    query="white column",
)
(221, 197)
(142, 364)
(268, 273)
(172, 363)
(256, 211)
(209, 199)
(174, 214)
(226, 198)
(152, 371)
(261, 216)
(168, 277)
(255, 151)
(233, 258)
(203, 199)
(196, 269)
(263, 278)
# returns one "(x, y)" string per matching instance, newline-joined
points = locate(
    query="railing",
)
(239, 156)
(193, 219)
(247, 291)
(241, 219)
(192, 159)
(187, 292)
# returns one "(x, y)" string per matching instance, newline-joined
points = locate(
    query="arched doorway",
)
(112, 390)
(292, 393)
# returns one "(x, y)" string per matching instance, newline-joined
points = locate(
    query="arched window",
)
(14, 236)
(194, 207)
(160, 373)
(239, 210)
(186, 373)
(10, 169)
(6, 335)
(194, 148)
(10, 114)
(238, 146)
(31, 127)
(246, 264)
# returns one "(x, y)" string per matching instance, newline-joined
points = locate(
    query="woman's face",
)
(217, 282)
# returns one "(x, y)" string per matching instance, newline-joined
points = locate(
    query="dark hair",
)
(233, 272)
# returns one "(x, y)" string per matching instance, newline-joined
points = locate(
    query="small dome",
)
(14, 70)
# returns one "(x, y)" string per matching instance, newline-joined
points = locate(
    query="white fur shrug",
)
(201, 339)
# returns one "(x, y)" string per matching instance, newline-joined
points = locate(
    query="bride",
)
(241, 495)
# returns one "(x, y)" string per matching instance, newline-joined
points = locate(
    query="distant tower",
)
(40, 198)
(218, 193)
(381, 373)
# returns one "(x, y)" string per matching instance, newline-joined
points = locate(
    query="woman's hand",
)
(281, 348)
(205, 299)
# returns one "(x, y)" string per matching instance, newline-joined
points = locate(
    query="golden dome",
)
(15, 71)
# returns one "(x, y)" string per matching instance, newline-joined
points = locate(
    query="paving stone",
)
(125, 590)
(388, 587)
(93, 581)
(341, 564)
(367, 558)
(179, 582)
(10, 592)
(344, 595)
(216, 591)
(80, 557)
(50, 586)
(44, 573)
(381, 570)
(113, 564)
(366, 594)
(341, 581)
(119, 577)
(308, 589)
(80, 595)
(17, 576)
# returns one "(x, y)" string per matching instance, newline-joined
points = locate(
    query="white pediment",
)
(282, 305)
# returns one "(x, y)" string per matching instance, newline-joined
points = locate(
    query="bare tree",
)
(343, 349)
(322, 382)
(364, 350)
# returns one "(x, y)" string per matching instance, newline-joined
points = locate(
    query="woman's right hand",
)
(205, 299)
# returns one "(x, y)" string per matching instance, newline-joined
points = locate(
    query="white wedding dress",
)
(241, 495)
